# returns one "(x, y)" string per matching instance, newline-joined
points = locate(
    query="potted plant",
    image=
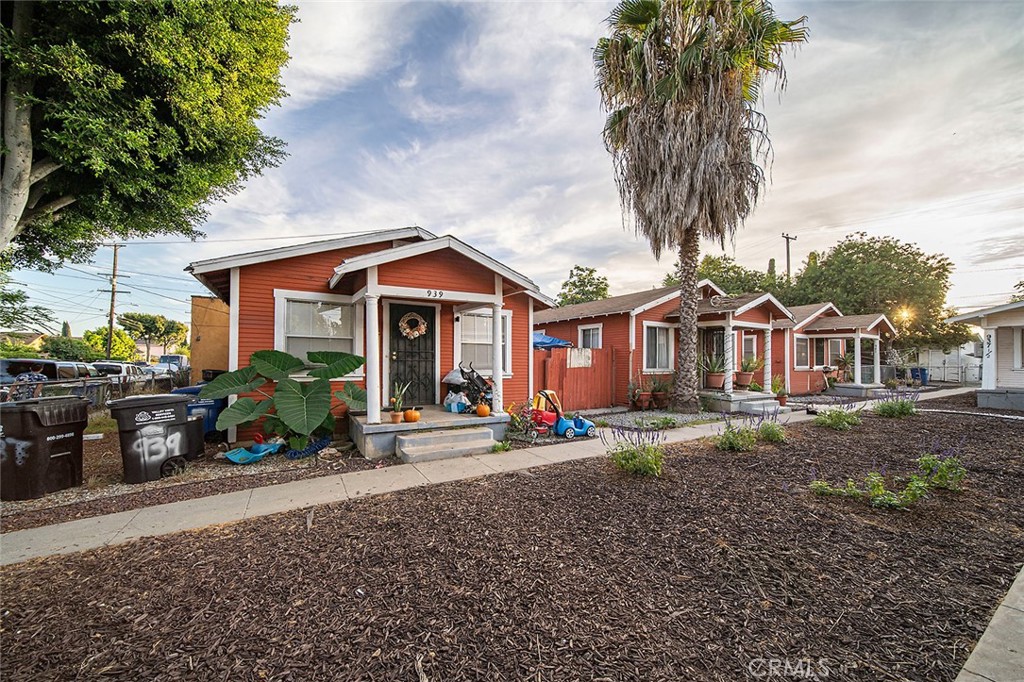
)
(746, 372)
(844, 363)
(634, 393)
(299, 409)
(643, 398)
(779, 389)
(714, 371)
(397, 400)
(660, 390)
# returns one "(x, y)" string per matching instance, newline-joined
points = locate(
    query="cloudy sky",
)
(481, 120)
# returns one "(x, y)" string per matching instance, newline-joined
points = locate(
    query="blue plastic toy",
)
(547, 415)
(252, 454)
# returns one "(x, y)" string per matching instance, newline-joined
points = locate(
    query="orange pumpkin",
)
(482, 410)
(412, 415)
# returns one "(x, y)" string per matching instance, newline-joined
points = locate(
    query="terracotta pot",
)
(396, 417)
(643, 399)
(483, 410)
(743, 379)
(714, 379)
(660, 399)
(782, 400)
(411, 415)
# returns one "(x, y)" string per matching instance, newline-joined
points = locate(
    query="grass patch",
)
(101, 423)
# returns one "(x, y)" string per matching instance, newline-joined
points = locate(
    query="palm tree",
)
(680, 80)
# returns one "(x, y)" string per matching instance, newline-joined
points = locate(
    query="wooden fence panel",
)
(582, 378)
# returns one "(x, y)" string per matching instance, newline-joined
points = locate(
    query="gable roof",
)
(804, 314)
(225, 262)
(615, 305)
(427, 246)
(978, 314)
(866, 322)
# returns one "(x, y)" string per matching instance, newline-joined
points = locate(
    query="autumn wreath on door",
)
(412, 325)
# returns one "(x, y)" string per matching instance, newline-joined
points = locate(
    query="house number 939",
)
(435, 293)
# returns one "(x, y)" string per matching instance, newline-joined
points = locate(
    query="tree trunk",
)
(684, 392)
(17, 130)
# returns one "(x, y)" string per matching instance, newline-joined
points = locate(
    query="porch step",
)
(425, 446)
(761, 407)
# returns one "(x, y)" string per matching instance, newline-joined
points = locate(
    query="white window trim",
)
(796, 353)
(743, 348)
(482, 312)
(281, 298)
(600, 334)
(671, 348)
(1018, 349)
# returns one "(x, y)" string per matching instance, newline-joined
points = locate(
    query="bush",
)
(636, 451)
(771, 432)
(875, 492)
(736, 438)
(896, 409)
(502, 446)
(942, 472)
(838, 418)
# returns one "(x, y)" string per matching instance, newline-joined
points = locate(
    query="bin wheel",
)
(172, 467)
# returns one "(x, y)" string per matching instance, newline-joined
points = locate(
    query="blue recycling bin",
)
(919, 374)
(208, 408)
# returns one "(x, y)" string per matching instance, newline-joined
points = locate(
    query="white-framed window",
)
(473, 335)
(803, 353)
(307, 321)
(1018, 348)
(749, 346)
(589, 336)
(658, 342)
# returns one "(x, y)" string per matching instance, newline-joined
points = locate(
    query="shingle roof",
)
(801, 313)
(606, 306)
(725, 304)
(844, 322)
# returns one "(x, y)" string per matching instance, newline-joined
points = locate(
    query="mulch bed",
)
(102, 466)
(566, 572)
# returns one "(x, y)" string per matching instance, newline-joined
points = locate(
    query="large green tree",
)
(1019, 292)
(680, 80)
(864, 275)
(144, 328)
(582, 286)
(124, 119)
(730, 275)
(17, 314)
(122, 345)
(63, 348)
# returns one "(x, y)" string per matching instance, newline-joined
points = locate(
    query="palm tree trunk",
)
(684, 392)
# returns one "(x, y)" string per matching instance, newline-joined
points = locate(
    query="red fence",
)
(582, 377)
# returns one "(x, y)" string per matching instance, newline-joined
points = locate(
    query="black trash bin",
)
(41, 446)
(196, 439)
(154, 435)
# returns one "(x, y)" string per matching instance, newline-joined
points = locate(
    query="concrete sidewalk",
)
(113, 529)
(999, 654)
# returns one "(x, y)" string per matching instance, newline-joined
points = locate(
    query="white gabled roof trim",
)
(758, 301)
(251, 258)
(978, 314)
(813, 316)
(880, 318)
(709, 283)
(418, 248)
(674, 294)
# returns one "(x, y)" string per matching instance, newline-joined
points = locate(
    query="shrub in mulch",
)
(565, 572)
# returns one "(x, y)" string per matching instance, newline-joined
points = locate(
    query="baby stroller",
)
(477, 389)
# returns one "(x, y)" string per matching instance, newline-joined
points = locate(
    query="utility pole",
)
(113, 300)
(789, 271)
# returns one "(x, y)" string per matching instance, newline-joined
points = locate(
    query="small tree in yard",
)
(144, 327)
(297, 409)
(122, 347)
(584, 285)
(76, 350)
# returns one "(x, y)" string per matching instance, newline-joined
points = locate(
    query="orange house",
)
(365, 293)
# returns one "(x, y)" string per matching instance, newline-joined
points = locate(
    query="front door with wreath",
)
(412, 351)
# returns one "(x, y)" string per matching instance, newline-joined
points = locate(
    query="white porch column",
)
(767, 383)
(373, 365)
(856, 359)
(878, 361)
(988, 360)
(730, 357)
(497, 359)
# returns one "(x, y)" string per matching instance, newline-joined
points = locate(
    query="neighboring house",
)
(208, 348)
(33, 340)
(355, 293)
(1002, 362)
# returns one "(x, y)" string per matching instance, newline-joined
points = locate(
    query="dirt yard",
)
(566, 572)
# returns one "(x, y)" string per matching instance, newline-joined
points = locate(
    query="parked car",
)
(161, 369)
(176, 359)
(120, 372)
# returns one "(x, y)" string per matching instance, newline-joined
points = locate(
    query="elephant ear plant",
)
(298, 408)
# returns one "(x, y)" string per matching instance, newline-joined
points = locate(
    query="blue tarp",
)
(545, 342)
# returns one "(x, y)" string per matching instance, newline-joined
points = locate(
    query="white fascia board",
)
(419, 248)
(817, 313)
(709, 283)
(240, 260)
(979, 314)
(761, 299)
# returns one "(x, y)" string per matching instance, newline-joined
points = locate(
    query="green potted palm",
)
(746, 372)
(643, 396)
(779, 389)
(713, 367)
(660, 390)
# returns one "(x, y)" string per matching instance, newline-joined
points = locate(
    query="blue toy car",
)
(546, 413)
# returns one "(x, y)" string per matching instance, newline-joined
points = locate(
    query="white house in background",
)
(1002, 362)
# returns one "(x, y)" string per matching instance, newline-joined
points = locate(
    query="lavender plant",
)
(638, 451)
(898, 403)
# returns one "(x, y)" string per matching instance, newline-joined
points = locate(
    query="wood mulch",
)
(104, 491)
(566, 572)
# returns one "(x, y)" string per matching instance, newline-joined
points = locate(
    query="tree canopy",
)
(582, 286)
(17, 315)
(1019, 292)
(680, 80)
(153, 329)
(125, 119)
(730, 275)
(122, 345)
(63, 348)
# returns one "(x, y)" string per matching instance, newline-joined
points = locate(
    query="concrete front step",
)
(426, 446)
(762, 407)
